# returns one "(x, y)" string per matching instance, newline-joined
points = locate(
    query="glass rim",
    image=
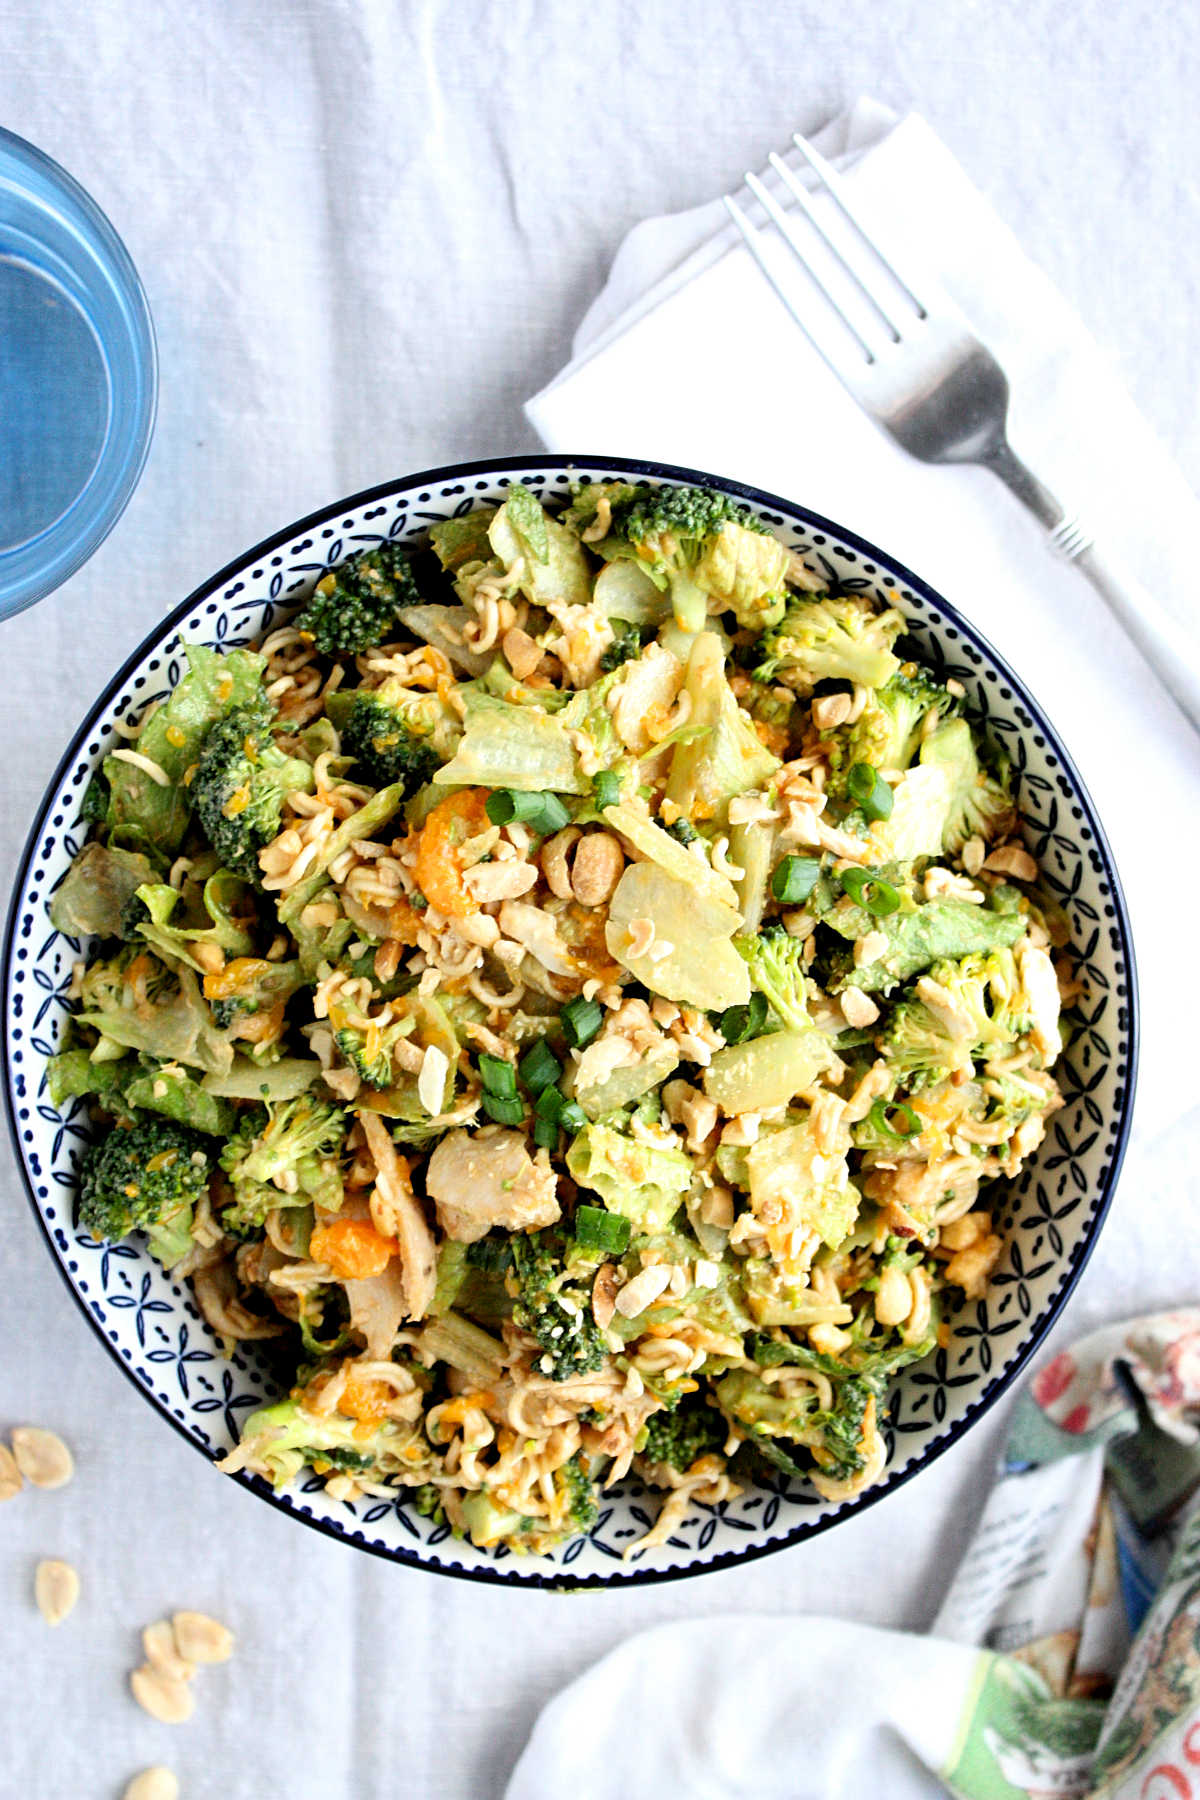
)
(102, 266)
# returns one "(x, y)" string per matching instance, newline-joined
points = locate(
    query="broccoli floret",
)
(961, 1012)
(695, 542)
(394, 735)
(679, 1436)
(568, 1334)
(370, 1052)
(135, 912)
(828, 639)
(145, 1179)
(224, 1012)
(684, 831)
(625, 647)
(764, 1413)
(94, 806)
(355, 606)
(240, 784)
(575, 1510)
(278, 1441)
(843, 1427)
(775, 962)
(860, 1373)
(134, 971)
(887, 733)
(980, 804)
(299, 1138)
(583, 1508)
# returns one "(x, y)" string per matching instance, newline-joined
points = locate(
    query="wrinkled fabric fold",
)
(689, 357)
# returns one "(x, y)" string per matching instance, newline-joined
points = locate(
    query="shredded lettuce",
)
(646, 1185)
(96, 889)
(507, 746)
(723, 755)
(173, 738)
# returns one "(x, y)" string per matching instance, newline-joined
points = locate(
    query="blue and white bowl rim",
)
(622, 466)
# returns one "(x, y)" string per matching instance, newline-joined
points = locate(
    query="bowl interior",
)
(1049, 1216)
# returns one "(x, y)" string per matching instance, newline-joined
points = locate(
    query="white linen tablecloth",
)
(368, 232)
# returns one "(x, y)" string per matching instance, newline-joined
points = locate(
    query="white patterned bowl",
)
(1050, 1217)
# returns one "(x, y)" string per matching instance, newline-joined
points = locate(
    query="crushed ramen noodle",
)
(573, 993)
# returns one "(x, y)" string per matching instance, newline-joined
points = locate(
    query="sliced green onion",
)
(543, 813)
(554, 816)
(581, 1020)
(504, 806)
(737, 1023)
(498, 1077)
(549, 1104)
(867, 787)
(572, 1117)
(539, 1067)
(493, 1254)
(545, 1134)
(606, 789)
(596, 1229)
(795, 879)
(505, 1112)
(879, 897)
(903, 1123)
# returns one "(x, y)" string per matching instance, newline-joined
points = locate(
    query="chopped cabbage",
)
(695, 961)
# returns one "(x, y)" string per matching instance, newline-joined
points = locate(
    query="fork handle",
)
(1169, 650)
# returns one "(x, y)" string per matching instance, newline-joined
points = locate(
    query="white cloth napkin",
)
(689, 357)
(1098, 1689)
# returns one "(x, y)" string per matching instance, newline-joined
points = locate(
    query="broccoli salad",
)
(575, 991)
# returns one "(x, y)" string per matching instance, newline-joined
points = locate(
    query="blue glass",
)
(78, 376)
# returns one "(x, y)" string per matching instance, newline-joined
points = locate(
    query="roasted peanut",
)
(598, 866)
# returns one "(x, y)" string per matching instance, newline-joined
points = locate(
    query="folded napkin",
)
(1072, 1575)
(689, 357)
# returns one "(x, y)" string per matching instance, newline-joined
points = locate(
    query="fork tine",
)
(755, 248)
(837, 189)
(780, 218)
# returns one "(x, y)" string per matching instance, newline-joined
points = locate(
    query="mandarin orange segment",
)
(439, 867)
(237, 977)
(367, 1401)
(352, 1249)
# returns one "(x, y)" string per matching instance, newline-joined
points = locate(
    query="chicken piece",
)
(477, 1180)
(216, 1291)
(378, 1303)
(537, 932)
(1041, 985)
(399, 1208)
(918, 1188)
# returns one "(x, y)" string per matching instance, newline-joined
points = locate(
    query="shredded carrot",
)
(455, 1411)
(774, 737)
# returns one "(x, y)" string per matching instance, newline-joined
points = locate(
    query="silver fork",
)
(912, 361)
